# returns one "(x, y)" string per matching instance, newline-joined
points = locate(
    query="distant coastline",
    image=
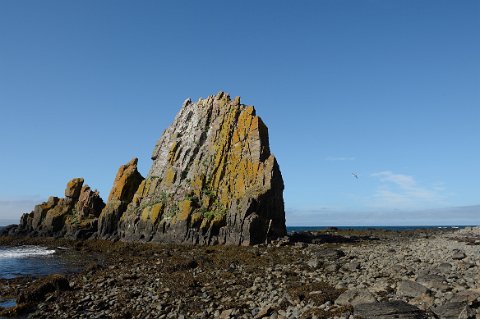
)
(400, 228)
(6, 222)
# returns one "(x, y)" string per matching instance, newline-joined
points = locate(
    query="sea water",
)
(33, 261)
(391, 228)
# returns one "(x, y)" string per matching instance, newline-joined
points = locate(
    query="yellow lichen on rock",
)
(128, 183)
(210, 175)
(152, 213)
(172, 152)
(145, 214)
(170, 176)
(185, 208)
(122, 187)
(74, 187)
(198, 184)
(156, 212)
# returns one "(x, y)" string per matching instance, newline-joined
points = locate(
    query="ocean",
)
(35, 261)
(393, 228)
(32, 261)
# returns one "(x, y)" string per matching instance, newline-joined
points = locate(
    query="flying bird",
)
(355, 175)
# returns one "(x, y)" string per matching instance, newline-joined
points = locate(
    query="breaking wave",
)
(24, 251)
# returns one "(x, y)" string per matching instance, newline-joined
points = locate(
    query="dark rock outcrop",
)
(213, 180)
(74, 216)
(40, 288)
(389, 309)
(454, 310)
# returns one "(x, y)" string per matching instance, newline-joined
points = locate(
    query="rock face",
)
(73, 216)
(124, 187)
(213, 180)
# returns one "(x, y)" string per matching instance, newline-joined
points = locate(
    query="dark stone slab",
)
(386, 310)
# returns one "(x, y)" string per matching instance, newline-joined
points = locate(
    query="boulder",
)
(458, 254)
(408, 288)
(351, 267)
(444, 268)
(454, 310)
(388, 310)
(126, 183)
(328, 253)
(433, 281)
(468, 296)
(40, 288)
(213, 180)
(314, 262)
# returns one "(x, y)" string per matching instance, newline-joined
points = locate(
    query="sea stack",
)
(213, 180)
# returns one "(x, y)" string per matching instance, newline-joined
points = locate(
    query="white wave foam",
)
(24, 251)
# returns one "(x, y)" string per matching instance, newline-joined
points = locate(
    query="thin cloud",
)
(403, 191)
(466, 215)
(12, 209)
(339, 158)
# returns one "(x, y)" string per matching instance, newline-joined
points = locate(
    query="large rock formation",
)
(74, 216)
(213, 180)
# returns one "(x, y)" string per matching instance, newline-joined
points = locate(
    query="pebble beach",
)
(343, 274)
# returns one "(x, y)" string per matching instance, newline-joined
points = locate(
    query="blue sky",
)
(387, 89)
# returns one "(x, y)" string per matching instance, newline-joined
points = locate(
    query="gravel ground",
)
(372, 274)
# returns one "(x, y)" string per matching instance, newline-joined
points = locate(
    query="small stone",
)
(314, 262)
(433, 282)
(444, 268)
(458, 255)
(265, 311)
(353, 266)
(226, 314)
(355, 297)
(411, 289)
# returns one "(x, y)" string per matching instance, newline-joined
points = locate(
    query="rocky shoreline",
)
(342, 274)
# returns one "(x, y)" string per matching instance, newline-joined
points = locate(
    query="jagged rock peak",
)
(124, 187)
(213, 179)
